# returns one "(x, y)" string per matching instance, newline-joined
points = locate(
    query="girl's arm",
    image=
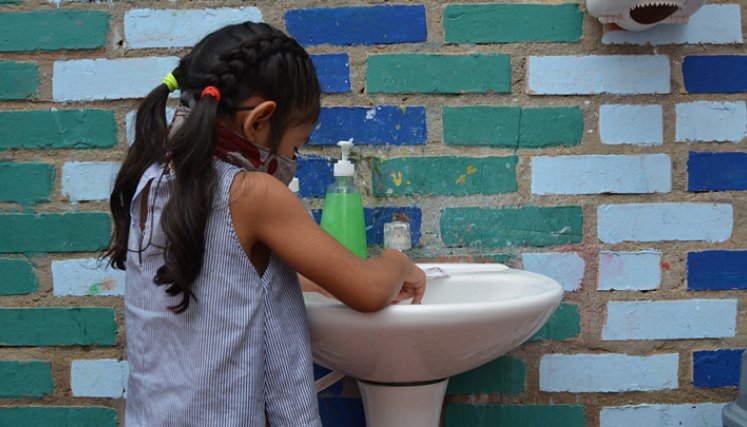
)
(277, 218)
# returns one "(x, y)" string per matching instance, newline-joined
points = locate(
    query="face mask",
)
(235, 149)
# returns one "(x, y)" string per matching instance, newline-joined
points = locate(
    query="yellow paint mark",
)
(471, 170)
(403, 108)
(461, 179)
(318, 126)
(397, 178)
(397, 126)
(408, 182)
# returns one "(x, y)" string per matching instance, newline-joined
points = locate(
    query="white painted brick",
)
(629, 271)
(87, 181)
(666, 320)
(631, 124)
(603, 373)
(598, 174)
(131, 121)
(651, 222)
(711, 121)
(565, 267)
(91, 79)
(686, 415)
(712, 24)
(147, 28)
(588, 75)
(88, 276)
(99, 378)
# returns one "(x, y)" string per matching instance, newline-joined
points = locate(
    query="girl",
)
(216, 326)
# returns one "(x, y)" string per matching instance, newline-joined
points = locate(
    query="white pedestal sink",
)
(403, 355)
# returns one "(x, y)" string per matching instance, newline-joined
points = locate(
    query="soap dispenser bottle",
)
(342, 216)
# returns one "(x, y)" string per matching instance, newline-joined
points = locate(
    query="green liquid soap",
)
(342, 217)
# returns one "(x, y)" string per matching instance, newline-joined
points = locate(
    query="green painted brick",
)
(18, 80)
(26, 183)
(496, 126)
(52, 30)
(32, 327)
(512, 126)
(53, 232)
(10, 1)
(424, 73)
(551, 126)
(511, 227)
(25, 378)
(17, 277)
(511, 23)
(58, 129)
(503, 375)
(565, 323)
(455, 175)
(460, 415)
(58, 416)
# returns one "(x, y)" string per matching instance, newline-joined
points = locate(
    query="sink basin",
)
(478, 313)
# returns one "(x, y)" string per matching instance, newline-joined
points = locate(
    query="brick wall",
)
(510, 132)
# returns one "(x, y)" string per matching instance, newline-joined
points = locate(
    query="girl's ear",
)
(257, 123)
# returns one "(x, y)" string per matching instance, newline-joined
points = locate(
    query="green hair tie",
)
(170, 82)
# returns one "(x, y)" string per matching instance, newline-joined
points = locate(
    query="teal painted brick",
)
(17, 277)
(496, 126)
(26, 183)
(506, 374)
(11, 1)
(512, 126)
(18, 80)
(551, 126)
(456, 175)
(564, 324)
(58, 129)
(459, 415)
(510, 23)
(53, 232)
(25, 378)
(420, 73)
(58, 416)
(33, 327)
(511, 227)
(52, 30)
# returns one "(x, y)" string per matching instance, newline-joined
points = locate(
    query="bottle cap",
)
(293, 186)
(345, 167)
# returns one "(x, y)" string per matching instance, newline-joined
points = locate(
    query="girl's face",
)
(255, 125)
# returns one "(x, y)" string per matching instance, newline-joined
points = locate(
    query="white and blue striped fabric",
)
(239, 351)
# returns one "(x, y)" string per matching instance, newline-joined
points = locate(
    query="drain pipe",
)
(328, 380)
(735, 413)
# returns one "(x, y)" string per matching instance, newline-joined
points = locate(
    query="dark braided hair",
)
(242, 60)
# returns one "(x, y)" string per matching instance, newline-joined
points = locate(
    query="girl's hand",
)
(413, 286)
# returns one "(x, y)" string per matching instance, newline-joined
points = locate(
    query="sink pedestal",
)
(403, 405)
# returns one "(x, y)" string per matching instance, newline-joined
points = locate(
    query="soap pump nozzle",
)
(344, 167)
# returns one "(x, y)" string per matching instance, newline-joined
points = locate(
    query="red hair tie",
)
(212, 91)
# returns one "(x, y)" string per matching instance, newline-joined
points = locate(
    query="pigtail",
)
(148, 148)
(185, 215)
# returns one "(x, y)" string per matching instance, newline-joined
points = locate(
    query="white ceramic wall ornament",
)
(640, 15)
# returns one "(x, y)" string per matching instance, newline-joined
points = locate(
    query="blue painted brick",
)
(341, 412)
(716, 270)
(375, 219)
(314, 175)
(717, 171)
(720, 368)
(331, 391)
(333, 71)
(375, 125)
(357, 25)
(715, 74)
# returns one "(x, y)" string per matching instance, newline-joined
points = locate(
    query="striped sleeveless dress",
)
(239, 351)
